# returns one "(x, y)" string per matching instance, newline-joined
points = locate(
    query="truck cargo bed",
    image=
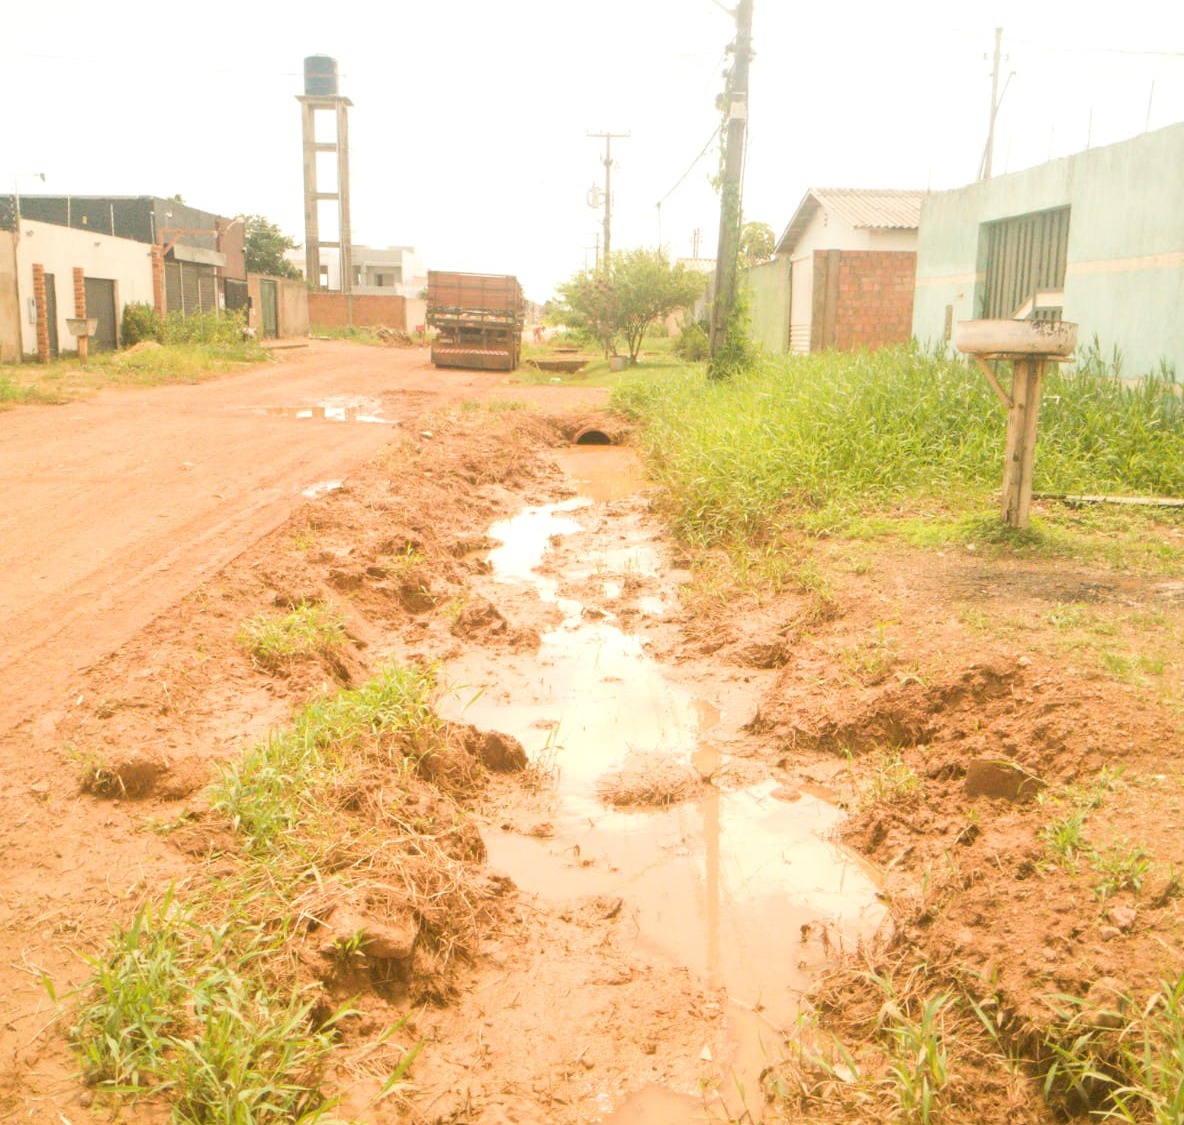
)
(478, 320)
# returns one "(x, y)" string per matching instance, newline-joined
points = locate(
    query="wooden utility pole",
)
(736, 99)
(989, 153)
(608, 192)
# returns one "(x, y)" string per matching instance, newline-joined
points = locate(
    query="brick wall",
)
(327, 310)
(874, 303)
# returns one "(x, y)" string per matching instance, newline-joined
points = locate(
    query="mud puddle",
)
(337, 408)
(737, 881)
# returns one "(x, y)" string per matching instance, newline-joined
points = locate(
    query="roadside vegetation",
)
(824, 442)
(1031, 971)
(339, 864)
(171, 350)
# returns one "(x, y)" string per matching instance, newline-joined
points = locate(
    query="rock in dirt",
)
(137, 777)
(1123, 917)
(999, 777)
(481, 620)
(392, 940)
(499, 752)
(1103, 1005)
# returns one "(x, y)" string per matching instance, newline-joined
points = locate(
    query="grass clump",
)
(174, 1005)
(275, 641)
(343, 826)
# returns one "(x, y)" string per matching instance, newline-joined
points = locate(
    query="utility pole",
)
(608, 192)
(736, 100)
(988, 155)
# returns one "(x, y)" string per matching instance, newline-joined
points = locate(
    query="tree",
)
(756, 243)
(621, 302)
(265, 246)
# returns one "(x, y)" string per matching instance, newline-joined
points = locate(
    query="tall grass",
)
(846, 432)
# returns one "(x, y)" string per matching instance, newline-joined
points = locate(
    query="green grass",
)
(274, 640)
(200, 996)
(176, 1004)
(1132, 1073)
(13, 391)
(831, 441)
(356, 334)
(150, 365)
(894, 780)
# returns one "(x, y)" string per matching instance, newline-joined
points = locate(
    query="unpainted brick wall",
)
(875, 298)
(328, 310)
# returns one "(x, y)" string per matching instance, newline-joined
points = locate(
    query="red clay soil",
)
(959, 703)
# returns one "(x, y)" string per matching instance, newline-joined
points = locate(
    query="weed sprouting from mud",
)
(894, 780)
(1122, 867)
(274, 641)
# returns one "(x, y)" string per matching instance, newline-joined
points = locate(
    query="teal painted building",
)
(1096, 238)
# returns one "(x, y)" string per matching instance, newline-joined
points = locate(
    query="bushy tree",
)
(265, 246)
(757, 242)
(622, 301)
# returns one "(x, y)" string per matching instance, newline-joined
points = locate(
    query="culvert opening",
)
(593, 437)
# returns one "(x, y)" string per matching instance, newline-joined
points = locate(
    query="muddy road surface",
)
(669, 824)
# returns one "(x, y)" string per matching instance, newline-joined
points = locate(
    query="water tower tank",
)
(320, 76)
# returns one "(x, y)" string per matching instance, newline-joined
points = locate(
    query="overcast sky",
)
(468, 128)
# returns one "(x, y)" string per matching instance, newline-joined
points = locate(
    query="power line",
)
(682, 178)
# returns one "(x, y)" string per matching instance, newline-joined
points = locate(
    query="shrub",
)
(692, 343)
(219, 328)
(140, 322)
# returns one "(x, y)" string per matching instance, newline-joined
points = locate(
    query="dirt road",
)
(116, 507)
(631, 964)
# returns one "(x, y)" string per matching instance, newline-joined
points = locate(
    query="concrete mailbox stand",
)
(1030, 346)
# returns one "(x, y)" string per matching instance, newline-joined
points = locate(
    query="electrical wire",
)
(703, 153)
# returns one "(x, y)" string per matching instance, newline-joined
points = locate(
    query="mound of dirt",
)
(649, 781)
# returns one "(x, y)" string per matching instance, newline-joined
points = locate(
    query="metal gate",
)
(100, 303)
(269, 314)
(190, 288)
(1026, 258)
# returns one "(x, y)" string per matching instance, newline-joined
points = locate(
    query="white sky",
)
(468, 131)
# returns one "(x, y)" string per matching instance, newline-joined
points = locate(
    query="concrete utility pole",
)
(736, 98)
(989, 154)
(608, 191)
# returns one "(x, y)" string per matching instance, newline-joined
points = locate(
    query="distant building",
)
(842, 275)
(1096, 238)
(41, 269)
(204, 254)
(394, 271)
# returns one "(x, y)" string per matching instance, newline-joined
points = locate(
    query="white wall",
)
(829, 232)
(60, 250)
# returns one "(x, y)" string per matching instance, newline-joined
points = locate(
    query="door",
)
(267, 297)
(51, 313)
(100, 304)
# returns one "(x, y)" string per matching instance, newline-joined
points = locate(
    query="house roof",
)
(861, 208)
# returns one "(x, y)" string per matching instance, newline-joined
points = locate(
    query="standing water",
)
(740, 884)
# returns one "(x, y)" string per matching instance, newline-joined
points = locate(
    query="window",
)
(1026, 257)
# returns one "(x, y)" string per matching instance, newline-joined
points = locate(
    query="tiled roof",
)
(861, 208)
